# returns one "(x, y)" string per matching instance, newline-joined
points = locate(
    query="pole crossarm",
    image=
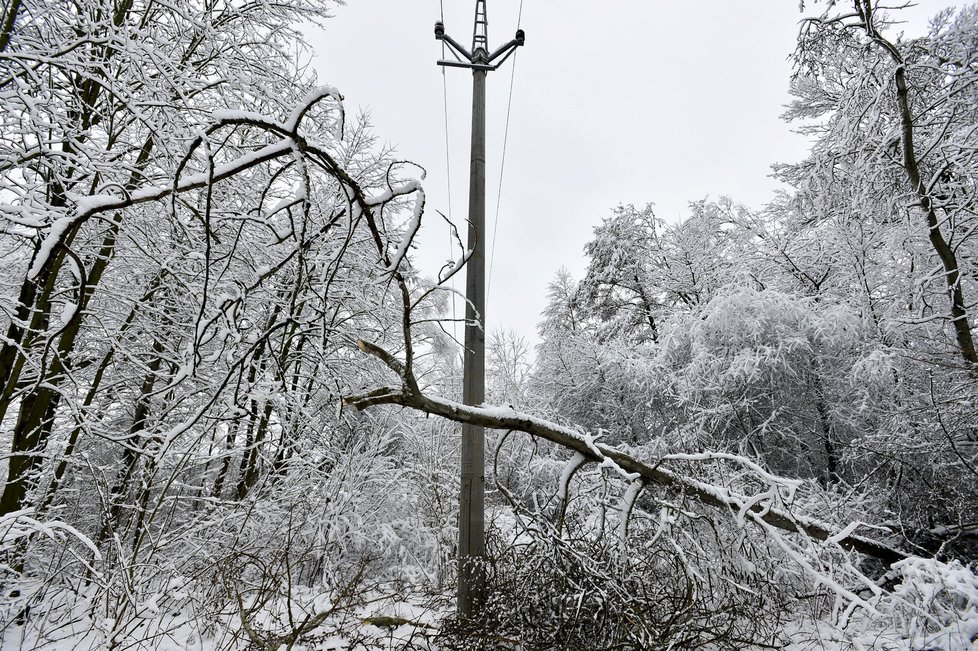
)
(480, 59)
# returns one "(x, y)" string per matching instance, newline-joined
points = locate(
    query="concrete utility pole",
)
(471, 517)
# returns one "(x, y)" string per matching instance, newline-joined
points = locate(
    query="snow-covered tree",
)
(193, 236)
(893, 126)
(639, 268)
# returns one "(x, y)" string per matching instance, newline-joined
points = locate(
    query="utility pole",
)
(471, 517)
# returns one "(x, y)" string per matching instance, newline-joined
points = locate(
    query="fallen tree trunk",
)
(506, 418)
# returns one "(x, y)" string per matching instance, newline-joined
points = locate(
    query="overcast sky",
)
(624, 101)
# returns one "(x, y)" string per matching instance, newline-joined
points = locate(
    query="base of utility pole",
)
(472, 563)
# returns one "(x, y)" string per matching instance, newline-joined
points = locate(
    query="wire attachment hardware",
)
(479, 58)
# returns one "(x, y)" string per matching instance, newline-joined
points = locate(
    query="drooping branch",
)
(507, 418)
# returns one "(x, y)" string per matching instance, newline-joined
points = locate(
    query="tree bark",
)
(9, 18)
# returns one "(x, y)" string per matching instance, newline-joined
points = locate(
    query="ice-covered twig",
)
(18, 524)
(570, 468)
(412, 186)
(625, 510)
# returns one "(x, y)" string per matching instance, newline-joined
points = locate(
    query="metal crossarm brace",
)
(480, 59)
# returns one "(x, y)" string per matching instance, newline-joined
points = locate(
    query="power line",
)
(502, 167)
(448, 174)
(502, 163)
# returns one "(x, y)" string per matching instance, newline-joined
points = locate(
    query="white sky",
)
(618, 101)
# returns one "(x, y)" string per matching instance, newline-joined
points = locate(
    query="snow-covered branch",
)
(506, 418)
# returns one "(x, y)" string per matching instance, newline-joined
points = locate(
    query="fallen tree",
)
(761, 509)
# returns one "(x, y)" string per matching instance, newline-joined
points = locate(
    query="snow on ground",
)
(935, 608)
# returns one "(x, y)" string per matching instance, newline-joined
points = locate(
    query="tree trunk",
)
(952, 273)
(134, 447)
(36, 418)
(504, 418)
(911, 164)
(9, 18)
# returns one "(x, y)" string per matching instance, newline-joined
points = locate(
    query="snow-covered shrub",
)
(933, 606)
(936, 602)
(580, 559)
(678, 582)
(297, 560)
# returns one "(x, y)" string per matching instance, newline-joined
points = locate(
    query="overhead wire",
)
(448, 172)
(502, 163)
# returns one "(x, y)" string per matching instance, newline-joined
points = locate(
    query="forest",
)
(230, 401)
